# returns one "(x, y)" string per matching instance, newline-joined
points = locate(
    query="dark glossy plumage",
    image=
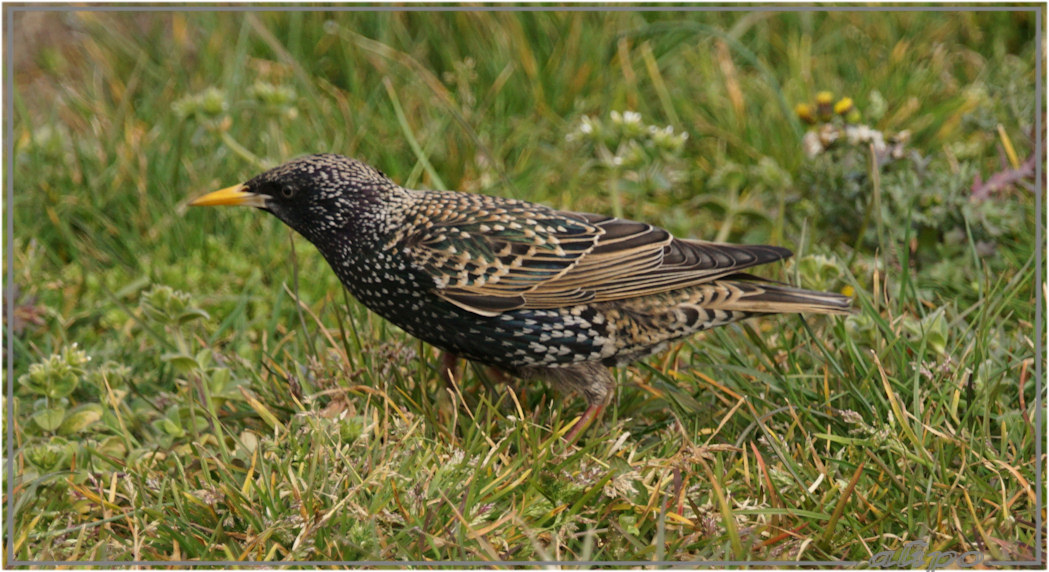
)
(533, 291)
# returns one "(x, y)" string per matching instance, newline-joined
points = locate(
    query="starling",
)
(532, 291)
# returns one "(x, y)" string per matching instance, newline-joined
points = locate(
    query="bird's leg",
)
(449, 368)
(498, 375)
(591, 413)
(592, 380)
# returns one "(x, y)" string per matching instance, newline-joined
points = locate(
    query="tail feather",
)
(770, 298)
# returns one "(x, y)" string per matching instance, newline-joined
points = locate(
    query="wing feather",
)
(642, 260)
(490, 255)
(485, 253)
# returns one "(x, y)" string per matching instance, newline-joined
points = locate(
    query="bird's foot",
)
(592, 412)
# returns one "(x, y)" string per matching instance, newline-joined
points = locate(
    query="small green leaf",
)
(249, 440)
(33, 381)
(164, 305)
(52, 456)
(52, 378)
(192, 314)
(80, 418)
(183, 363)
(113, 446)
(49, 419)
(189, 417)
(219, 380)
(935, 327)
(169, 427)
(204, 357)
(351, 428)
(63, 385)
(629, 524)
(58, 375)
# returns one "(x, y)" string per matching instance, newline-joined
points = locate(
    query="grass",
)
(195, 385)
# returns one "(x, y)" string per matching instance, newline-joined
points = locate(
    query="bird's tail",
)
(761, 296)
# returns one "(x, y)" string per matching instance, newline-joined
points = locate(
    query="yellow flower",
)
(804, 111)
(824, 99)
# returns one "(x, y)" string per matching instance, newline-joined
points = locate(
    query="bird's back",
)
(516, 284)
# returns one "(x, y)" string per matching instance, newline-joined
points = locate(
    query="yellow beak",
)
(235, 196)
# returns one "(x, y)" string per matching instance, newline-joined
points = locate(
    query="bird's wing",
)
(489, 255)
(634, 259)
(485, 254)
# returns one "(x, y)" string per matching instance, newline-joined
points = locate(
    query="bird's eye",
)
(287, 192)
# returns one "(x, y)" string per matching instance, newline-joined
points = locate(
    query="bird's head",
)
(320, 196)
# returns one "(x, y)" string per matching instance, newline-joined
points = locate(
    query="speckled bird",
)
(532, 291)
